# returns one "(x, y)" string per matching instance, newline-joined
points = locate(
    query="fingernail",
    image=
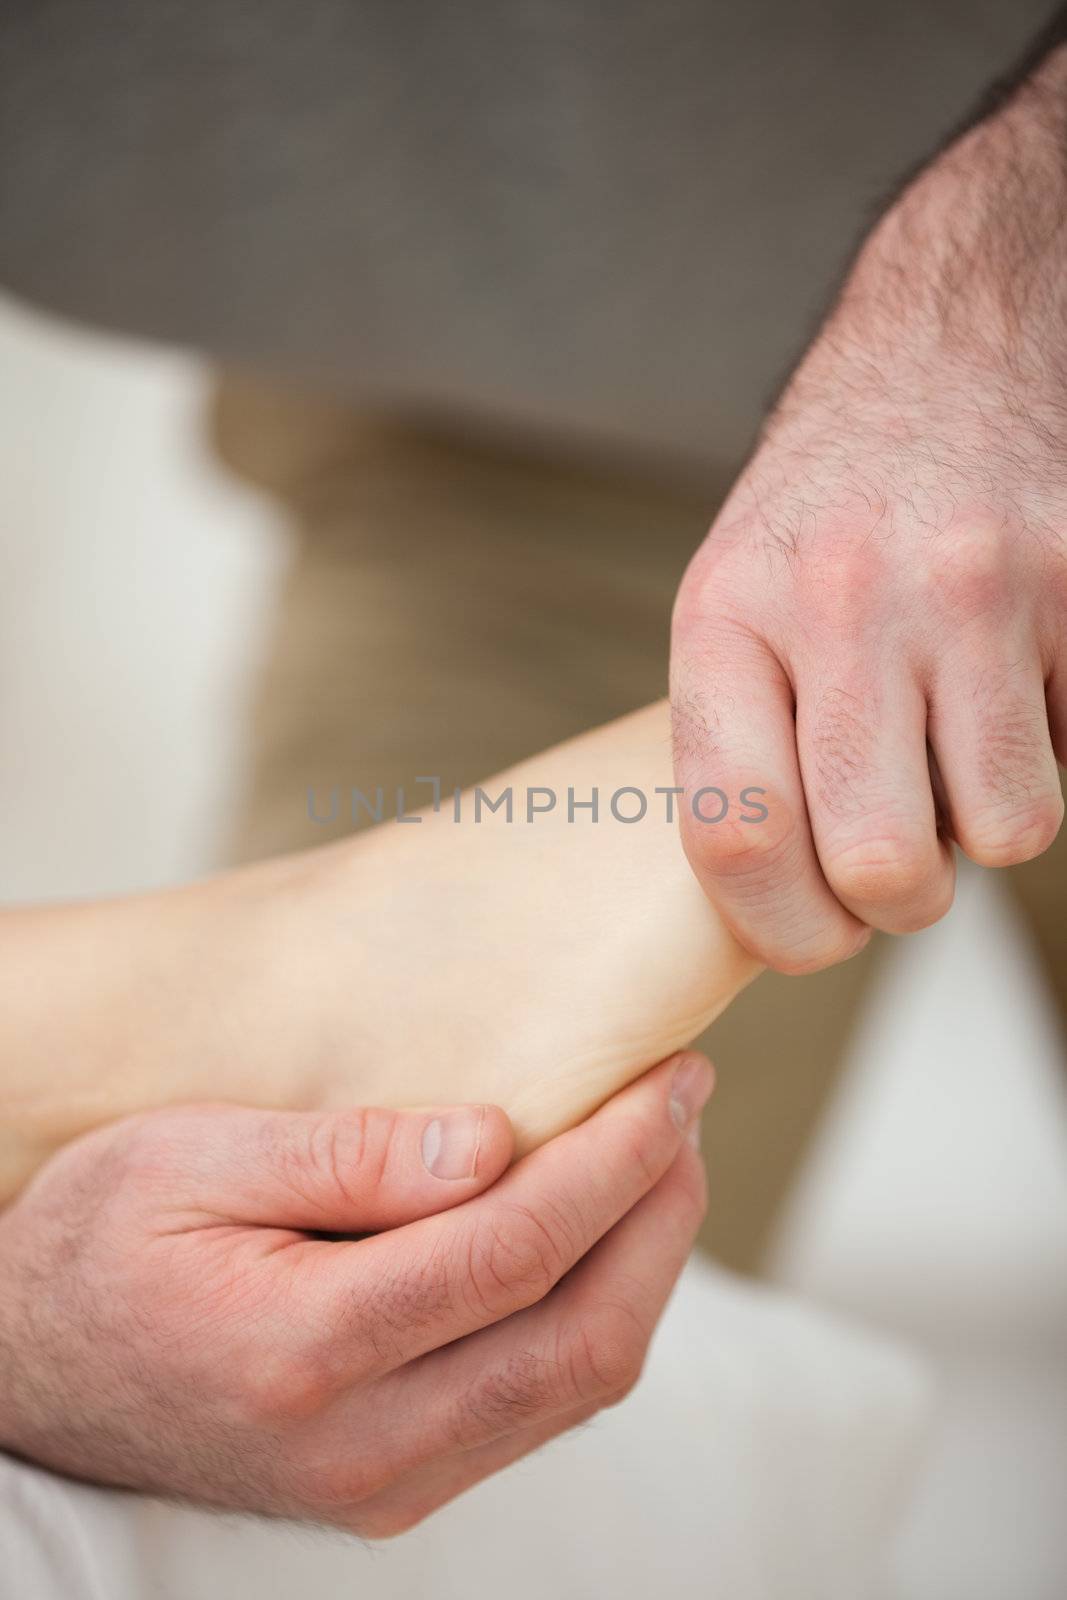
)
(689, 1090)
(450, 1144)
(693, 1134)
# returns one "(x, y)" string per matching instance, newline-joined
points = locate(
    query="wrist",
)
(953, 320)
(971, 260)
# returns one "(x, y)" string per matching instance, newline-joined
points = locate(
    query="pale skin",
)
(875, 627)
(872, 635)
(412, 964)
(169, 1318)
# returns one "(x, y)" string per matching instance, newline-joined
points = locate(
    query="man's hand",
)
(172, 1320)
(874, 633)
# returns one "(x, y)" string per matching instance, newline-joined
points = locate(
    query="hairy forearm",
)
(945, 354)
(889, 573)
(972, 255)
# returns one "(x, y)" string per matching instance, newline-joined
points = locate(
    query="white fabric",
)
(935, 1203)
(769, 1451)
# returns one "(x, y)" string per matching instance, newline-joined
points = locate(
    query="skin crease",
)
(874, 627)
(172, 1320)
(412, 964)
(887, 576)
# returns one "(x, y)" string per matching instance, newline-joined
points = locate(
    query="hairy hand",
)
(874, 632)
(172, 1320)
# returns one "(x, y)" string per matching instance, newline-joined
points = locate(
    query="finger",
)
(442, 1278)
(989, 728)
(861, 736)
(734, 732)
(1056, 706)
(330, 1171)
(585, 1345)
(398, 1509)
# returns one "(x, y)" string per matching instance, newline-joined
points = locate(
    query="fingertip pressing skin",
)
(510, 1246)
(467, 1144)
(559, 956)
(757, 863)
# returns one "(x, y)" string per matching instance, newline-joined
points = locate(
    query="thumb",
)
(351, 1171)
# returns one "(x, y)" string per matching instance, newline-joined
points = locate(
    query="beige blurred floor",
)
(134, 588)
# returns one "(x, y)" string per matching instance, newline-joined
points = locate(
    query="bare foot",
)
(537, 963)
(541, 962)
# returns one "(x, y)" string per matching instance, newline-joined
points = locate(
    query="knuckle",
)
(285, 1388)
(691, 604)
(638, 1151)
(381, 1523)
(935, 903)
(828, 948)
(320, 1156)
(886, 870)
(743, 853)
(1003, 836)
(282, 1388)
(848, 574)
(966, 573)
(606, 1354)
(705, 589)
(515, 1257)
